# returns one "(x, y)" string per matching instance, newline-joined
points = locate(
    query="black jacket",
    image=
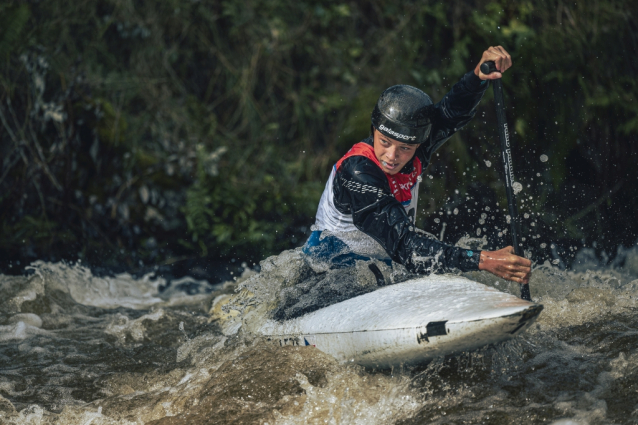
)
(384, 218)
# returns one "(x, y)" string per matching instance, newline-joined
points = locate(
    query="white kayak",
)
(409, 322)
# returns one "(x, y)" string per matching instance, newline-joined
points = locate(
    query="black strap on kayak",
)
(505, 136)
(377, 273)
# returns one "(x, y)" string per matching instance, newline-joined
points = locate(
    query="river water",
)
(76, 348)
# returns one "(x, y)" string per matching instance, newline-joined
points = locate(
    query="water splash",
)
(78, 349)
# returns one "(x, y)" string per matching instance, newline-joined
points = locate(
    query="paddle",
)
(487, 68)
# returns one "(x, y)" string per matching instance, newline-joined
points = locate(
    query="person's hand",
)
(503, 263)
(501, 59)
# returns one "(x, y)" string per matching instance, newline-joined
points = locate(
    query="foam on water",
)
(80, 349)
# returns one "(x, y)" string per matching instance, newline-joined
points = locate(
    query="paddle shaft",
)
(504, 135)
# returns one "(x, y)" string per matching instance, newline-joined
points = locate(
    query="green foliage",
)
(149, 130)
(13, 19)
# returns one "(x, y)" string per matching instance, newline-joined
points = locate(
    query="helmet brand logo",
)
(395, 134)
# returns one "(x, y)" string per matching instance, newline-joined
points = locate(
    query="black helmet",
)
(403, 113)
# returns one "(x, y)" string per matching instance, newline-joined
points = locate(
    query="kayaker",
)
(368, 207)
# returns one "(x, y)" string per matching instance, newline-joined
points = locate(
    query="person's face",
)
(392, 154)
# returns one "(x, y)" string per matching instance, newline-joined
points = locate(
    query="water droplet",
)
(517, 187)
(544, 158)
(488, 163)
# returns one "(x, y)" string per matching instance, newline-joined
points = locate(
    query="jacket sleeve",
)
(454, 111)
(362, 189)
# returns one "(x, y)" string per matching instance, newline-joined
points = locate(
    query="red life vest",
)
(400, 184)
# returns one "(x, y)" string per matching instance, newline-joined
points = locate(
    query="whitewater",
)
(81, 348)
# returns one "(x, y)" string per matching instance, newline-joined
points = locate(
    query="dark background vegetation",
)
(143, 133)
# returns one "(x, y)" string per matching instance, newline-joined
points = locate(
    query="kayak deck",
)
(410, 322)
